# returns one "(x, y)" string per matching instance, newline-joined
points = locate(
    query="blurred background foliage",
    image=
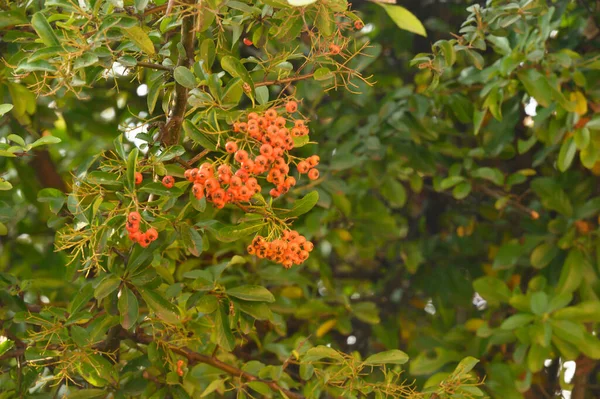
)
(458, 199)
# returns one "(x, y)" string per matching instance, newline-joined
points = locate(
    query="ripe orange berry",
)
(313, 160)
(138, 178)
(247, 42)
(271, 114)
(241, 156)
(143, 240)
(135, 236)
(358, 25)
(313, 174)
(291, 107)
(303, 167)
(334, 49)
(134, 217)
(168, 181)
(132, 227)
(152, 234)
(231, 147)
(198, 190)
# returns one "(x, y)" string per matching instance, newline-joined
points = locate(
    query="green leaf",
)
(164, 309)
(141, 39)
(44, 30)
(367, 312)
(572, 272)
(301, 206)
(235, 68)
(393, 356)
(465, 366)
(321, 352)
(81, 298)
(507, 255)
(461, 190)
(198, 137)
(543, 254)
(103, 178)
(251, 293)
(492, 174)
(55, 198)
(131, 168)
(404, 19)
(539, 303)
(3, 229)
(262, 95)
(184, 77)
(584, 312)
(492, 289)
(233, 233)
(394, 192)
(322, 73)
(154, 90)
(225, 338)
(537, 86)
(4, 108)
(567, 152)
(128, 308)
(569, 331)
(45, 140)
(107, 286)
(157, 188)
(517, 320)
(192, 240)
(552, 195)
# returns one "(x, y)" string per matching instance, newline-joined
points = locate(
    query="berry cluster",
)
(262, 146)
(135, 234)
(291, 249)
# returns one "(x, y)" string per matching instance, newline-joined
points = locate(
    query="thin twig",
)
(195, 357)
(154, 66)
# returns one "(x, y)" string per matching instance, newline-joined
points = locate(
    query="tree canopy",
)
(299, 199)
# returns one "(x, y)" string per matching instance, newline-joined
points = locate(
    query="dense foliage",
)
(299, 199)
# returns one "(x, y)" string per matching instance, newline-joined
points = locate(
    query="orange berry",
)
(168, 181)
(152, 234)
(334, 49)
(138, 178)
(358, 25)
(198, 190)
(143, 240)
(266, 150)
(291, 107)
(241, 156)
(313, 160)
(231, 147)
(303, 167)
(134, 217)
(271, 114)
(313, 174)
(247, 41)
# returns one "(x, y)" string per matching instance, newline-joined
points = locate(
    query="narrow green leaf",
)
(44, 30)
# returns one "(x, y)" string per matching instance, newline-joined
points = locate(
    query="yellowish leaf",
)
(140, 38)
(580, 101)
(326, 327)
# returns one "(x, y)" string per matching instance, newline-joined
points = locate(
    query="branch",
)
(154, 66)
(195, 357)
(172, 130)
(286, 80)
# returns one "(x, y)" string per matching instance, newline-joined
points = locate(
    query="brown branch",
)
(12, 354)
(286, 80)
(172, 130)
(154, 66)
(195, 357)
(45, 171)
